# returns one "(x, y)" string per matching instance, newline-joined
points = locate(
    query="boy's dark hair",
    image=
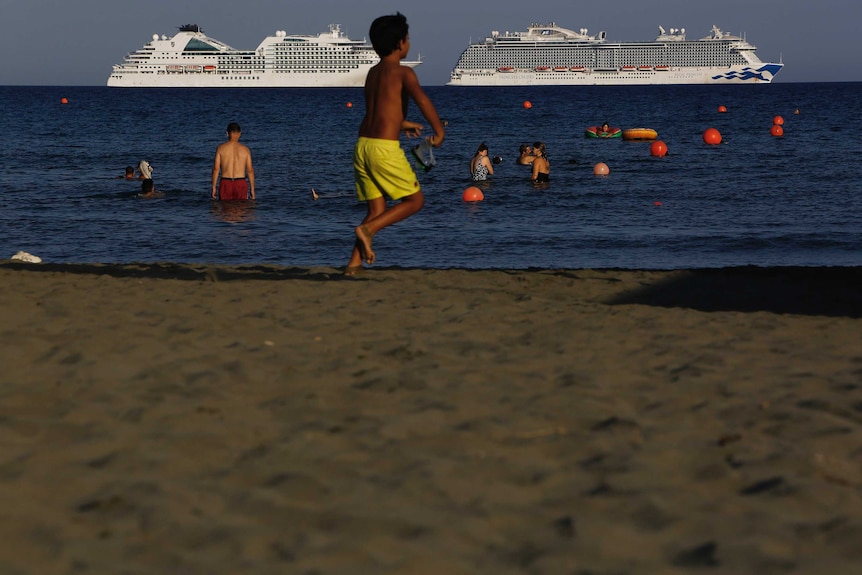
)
(233, 127)
(146, 186)
(386, 32)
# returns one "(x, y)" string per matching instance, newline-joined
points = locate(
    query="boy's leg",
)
(405, 208)
(374, 208)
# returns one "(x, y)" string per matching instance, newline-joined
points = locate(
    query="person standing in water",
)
(233, 161)
(379, 164)
(480, 165)
(541, 172)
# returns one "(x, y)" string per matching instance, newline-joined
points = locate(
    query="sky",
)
(75, 42)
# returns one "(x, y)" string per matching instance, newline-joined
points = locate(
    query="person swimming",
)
(525, 155)
(145, 170)
(541, 172)
(480, 165)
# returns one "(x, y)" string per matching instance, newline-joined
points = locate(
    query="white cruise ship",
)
(191, 59)
(547, 54)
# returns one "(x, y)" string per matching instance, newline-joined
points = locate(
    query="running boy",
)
(379, 164)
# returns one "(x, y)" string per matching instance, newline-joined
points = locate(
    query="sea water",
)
(754, 199)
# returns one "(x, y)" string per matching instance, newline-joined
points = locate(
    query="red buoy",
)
(778, 121)
(776, 130)
(528, 104)
(472, 194)
(349, 104)
(658, 149)
(601, 169)
(722, 109)
(64, 101)
(712, 137)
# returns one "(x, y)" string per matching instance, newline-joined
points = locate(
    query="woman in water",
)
(480, 165)
(541, 166)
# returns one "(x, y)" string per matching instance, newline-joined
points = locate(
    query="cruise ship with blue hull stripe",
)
(547, 54)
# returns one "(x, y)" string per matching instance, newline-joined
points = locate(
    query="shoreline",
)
(219, 419)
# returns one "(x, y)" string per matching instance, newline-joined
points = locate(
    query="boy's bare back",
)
(388, 87)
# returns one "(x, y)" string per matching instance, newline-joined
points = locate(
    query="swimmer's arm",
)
(249, 170)
(487, 161)
(535, 170)
(216, 169)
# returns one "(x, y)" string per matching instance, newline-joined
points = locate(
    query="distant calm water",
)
(754, 199)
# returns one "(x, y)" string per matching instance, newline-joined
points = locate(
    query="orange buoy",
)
(601, 169)
(472, 194)
(712, 137)
(777, 121)
(722, 109)
(658, 149)
(528, 104)
(64, 101)
(776, 130)
(349, 104)
(656, 203)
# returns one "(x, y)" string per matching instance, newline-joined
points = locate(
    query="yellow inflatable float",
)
(640, 134)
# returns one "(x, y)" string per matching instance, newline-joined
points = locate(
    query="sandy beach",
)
(191, 419)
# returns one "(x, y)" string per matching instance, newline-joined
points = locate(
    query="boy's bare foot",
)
(363, 237)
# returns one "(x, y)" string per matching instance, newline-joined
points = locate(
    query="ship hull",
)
(761, 74)
(255, 79)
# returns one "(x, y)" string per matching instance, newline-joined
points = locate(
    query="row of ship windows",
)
(570, 54)
(227, 76)
(223, 67)
(261, 61)
(588, 61)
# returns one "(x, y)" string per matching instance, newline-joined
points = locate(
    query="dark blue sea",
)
(752, 200)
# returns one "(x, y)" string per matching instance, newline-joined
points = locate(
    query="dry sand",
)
(177, 419)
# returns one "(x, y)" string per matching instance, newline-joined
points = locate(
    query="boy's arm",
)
(414, 90)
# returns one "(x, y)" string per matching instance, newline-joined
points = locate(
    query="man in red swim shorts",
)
(233, 160)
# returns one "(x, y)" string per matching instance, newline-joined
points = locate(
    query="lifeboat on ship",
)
(662, 68)
(543, 68)
(506, 69)
(578, 69)
(639, 134)
(628, 69)
(596, 132)
(644, 68)
(561, 69)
